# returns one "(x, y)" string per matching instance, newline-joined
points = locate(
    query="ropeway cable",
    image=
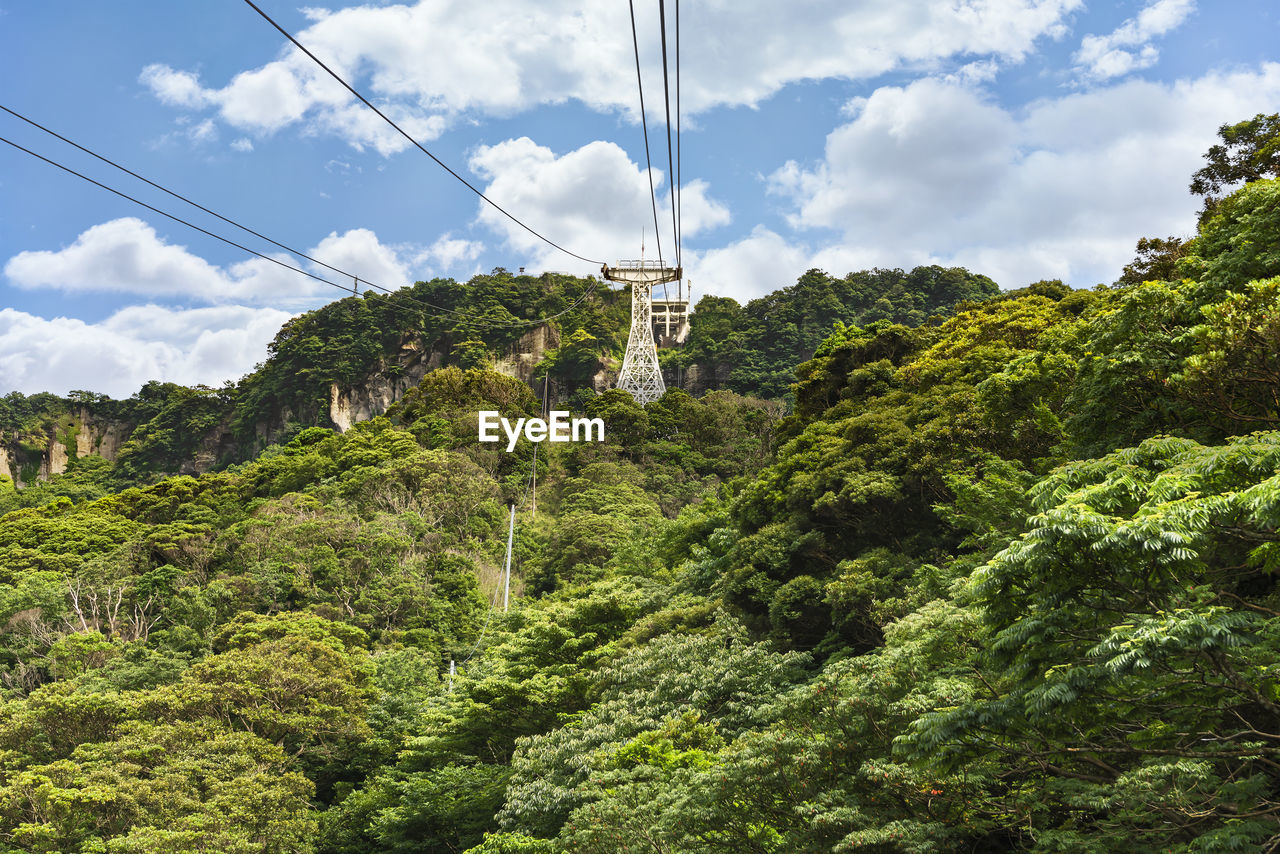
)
(644, 124)
(356, 279)
(413, 141)
(666, 95)
(172, 217)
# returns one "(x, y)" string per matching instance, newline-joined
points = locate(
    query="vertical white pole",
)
(511, 533)
(452, 670)
(533, 491)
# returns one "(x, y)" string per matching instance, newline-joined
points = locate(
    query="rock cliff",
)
(406, 368)
(29, 457)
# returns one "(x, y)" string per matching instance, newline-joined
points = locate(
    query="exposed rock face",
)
(605, 378)
(55, 461)
(217, 446)
(700, 379)
(385, 387)
(93, 436)
(375, 396)
(361, 404)
(522, 357)
(19, 462)
(100, 437)
(396, 374)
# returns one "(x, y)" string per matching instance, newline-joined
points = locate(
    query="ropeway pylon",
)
(641, 374)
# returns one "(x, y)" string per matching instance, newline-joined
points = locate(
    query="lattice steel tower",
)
(640, 372)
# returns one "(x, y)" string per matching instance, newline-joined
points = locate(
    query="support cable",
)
(666, 97)
(176, 219)
(679, 170)
(413, 141)
(197, 205)
(635, 41)
(356, 279)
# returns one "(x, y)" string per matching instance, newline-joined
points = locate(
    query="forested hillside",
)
(984, 572)
(354, 357)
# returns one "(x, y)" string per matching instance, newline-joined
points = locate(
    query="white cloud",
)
(127, 256)
(1128, 47)
(748, 268)
(360, 252)
(594, 201)
(124, 255)
(243, 144)
(431, 61)
(449, 253)
(194, 132)
(933, 172)
(908, 152)
(132, 346)
(203, 131)
(175, 88)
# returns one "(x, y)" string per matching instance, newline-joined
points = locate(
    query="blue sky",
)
(1024, 139)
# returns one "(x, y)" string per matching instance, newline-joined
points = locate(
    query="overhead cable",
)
(413, 141)
(666, 95)
(197, 205)
(354, 277)
(679, 180)
(122, 195)
(635, 41)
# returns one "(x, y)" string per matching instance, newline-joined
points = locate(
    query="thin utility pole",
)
(511, 533)
(533, 492)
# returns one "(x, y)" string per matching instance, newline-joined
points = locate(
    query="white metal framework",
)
(640, 372)
(670, 321)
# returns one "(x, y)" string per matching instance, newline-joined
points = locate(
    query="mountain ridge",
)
(407, 334)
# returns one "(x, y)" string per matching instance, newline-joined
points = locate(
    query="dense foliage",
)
(753, 349)
(377, 339)
(999, 580)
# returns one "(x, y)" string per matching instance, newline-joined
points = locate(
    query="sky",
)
(1021, 139)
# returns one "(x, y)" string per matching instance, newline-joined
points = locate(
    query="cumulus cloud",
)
(127, 256)
(175, 88)
(935, 172)
(360, 252)
(1128, 48)
(763, 261)
(197, 345)
(450, 254)
(593, 201)
(132, 346)
(429, 62)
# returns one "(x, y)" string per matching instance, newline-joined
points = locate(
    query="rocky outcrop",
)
(607, 377)
(699, 379)
(346, 407)
(55, 460)
(28, 458)
(102, 437)
(413, 361)
(520, 359)
(219, 446)
(386, 386)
